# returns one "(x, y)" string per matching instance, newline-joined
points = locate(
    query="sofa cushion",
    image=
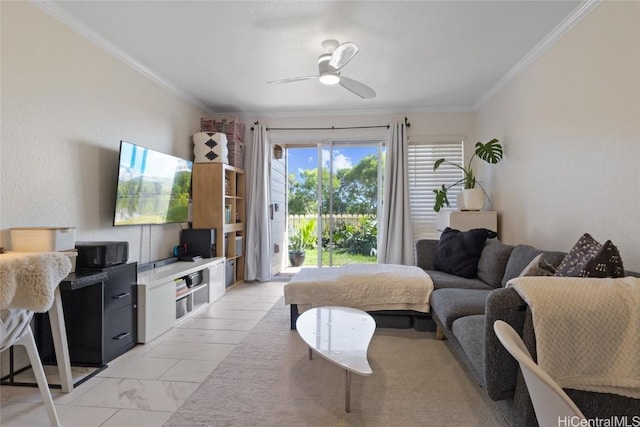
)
(458, 252)
(588, 258)
(469, 331)
(425, 252)
(445, 280)
(522, 255)
(493, 262)
(447, 305)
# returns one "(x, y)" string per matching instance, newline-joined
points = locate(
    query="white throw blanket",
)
(364, 286)
(587, 331)
(28, 281)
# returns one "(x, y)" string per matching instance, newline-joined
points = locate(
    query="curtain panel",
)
(257, 253)
(396, 242)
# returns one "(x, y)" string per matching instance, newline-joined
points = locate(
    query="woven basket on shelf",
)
(233, 128)
(236, 153)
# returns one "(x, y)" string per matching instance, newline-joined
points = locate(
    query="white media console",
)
(159, 309)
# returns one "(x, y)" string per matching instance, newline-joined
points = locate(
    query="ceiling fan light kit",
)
(330, 63)
(328, 75)
(329, 78)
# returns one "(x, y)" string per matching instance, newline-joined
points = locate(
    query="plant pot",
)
(460, 201)
(474, 199)
(296, 258)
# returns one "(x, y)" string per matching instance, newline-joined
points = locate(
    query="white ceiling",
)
(417, 55)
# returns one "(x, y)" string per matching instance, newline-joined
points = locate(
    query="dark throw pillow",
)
(588, 258)
(458, 252)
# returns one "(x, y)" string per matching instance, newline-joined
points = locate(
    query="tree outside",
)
(355, 192)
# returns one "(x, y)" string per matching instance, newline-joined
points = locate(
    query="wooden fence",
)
(296, 220)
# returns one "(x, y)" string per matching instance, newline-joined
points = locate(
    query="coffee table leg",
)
(347, 393)
(310, 354)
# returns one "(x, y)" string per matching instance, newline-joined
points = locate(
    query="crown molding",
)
(54, 11)
(567, 24)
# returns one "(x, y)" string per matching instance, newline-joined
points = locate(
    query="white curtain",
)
(396, 242)
(258, 254)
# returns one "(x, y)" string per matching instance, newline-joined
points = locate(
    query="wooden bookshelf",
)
(219, 202)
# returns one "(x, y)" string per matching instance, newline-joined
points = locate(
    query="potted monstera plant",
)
(474, 197)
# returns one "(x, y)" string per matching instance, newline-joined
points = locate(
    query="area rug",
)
(268, 380)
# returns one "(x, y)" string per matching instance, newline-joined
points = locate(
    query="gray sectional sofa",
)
(464, 311)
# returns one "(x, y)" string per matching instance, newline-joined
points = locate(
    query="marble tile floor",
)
(144, 386)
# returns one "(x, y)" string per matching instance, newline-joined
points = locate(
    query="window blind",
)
(423, 180)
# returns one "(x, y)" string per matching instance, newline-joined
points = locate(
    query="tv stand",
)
(159, 309)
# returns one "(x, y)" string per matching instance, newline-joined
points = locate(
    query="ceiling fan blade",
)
(360, 89)
(293, 79)
(343, 54)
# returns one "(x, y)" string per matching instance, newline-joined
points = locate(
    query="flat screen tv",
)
(153, 187)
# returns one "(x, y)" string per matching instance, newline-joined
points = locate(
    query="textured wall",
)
(66, 104)
(571, 127)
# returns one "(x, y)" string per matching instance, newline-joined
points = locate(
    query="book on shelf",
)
(181, 287)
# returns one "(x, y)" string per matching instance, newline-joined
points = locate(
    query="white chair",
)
(550, 402)
(15, 330)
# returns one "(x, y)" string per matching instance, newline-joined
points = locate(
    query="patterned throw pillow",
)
(588, 258)
(538, 267)
(607, 263)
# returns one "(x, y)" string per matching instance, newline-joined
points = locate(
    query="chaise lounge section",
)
(464, 310)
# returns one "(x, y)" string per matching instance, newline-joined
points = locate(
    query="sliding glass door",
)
(334, 193)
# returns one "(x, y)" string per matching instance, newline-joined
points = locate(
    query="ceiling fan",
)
(330, 63)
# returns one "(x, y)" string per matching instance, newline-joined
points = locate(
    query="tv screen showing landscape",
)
(153, 187)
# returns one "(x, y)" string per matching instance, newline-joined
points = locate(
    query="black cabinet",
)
(100, 316)
(120, 310)
(83, 320)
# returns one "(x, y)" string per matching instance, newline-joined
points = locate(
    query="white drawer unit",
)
(467, 220)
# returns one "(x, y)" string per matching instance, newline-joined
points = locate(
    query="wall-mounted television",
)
(153, 187)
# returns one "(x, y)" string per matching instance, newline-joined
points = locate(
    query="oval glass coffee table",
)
(342, 336)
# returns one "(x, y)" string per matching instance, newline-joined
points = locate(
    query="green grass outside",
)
(340, 257)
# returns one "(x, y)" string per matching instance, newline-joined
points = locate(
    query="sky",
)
(344, 157)
(136, 160)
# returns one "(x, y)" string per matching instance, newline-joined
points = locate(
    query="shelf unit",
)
(219, 202)
(157, 299)
(195, 298)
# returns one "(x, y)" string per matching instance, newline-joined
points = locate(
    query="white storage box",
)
(43, 239)
(238, 245)
(73, 256)
(230, 273)
(181, 307)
